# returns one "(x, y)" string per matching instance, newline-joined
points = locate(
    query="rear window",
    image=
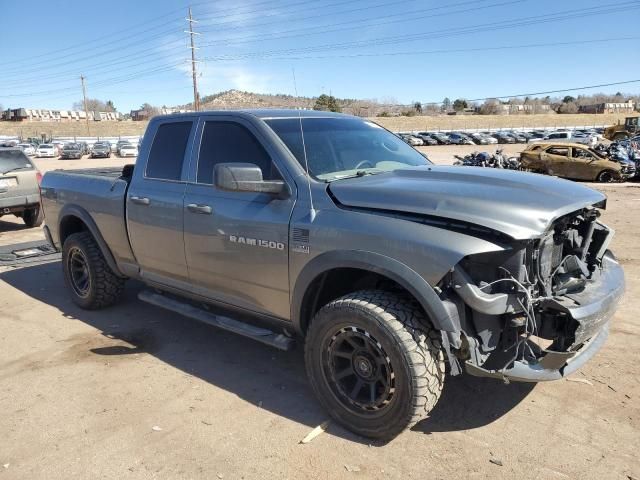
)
(167, 151)
(11, 160)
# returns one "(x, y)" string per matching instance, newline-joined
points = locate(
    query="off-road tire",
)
(606, 176)
(411, 345)
(33, 217)
(105, 288)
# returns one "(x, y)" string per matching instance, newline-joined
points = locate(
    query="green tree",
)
(327, 103)
(459, 104)
(568, 99)
(446, 104)
(110, 106)
(417, 106)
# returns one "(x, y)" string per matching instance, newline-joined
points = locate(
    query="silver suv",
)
(19, 187)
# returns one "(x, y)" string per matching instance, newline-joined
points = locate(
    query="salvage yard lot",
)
(137, 392)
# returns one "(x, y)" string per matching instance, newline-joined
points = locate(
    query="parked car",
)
(100, 150)
(28, 149)
(456, 138)
(503, 137)
(120, 143)
(427, 138)
(19, 187)
(84, 147)
(573, 161)
(441, 138)
(128, 150)
(46, 150)
(567, 136)
(71, 151)
(382, 263)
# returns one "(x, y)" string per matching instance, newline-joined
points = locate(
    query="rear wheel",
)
(92, 283)
(374, 362)
(32, 217)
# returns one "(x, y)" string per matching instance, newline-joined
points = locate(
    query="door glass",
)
(167, 151)
(563, 152)
(229, 142)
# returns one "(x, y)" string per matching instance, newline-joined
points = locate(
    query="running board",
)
(262, 335)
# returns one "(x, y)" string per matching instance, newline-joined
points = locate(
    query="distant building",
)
(609, 107)
(45, 115)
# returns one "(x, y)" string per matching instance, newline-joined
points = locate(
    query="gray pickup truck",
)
(287, 225)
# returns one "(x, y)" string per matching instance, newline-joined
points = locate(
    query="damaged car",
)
(290, 226)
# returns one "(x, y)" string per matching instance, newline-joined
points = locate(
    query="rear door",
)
(155, 203)
(236, 242)
(556, 159)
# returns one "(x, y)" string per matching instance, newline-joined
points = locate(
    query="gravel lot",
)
(136, 392)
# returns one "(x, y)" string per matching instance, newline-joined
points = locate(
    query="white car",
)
(28, 149)
(128, 151)
(46, 150)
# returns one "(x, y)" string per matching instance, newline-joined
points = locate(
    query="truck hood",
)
(520, 205)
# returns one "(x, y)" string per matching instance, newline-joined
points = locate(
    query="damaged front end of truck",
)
(539, 309)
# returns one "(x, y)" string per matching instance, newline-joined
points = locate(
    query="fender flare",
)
(375, 263)
(70, 210)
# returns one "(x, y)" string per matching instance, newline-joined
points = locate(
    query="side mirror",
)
(246, 177)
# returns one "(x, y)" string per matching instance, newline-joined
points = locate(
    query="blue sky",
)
(400, 51)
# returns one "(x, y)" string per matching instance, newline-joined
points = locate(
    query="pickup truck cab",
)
(326, 228)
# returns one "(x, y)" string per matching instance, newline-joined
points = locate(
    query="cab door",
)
(236, 243)
(154, 203)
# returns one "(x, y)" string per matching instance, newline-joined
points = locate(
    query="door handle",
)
(198, 208)
(139, 200)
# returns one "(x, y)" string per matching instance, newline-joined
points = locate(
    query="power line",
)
(435, 52)
(364, 22)
(391, 40)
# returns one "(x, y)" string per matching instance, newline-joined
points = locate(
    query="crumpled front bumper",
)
(592, 309)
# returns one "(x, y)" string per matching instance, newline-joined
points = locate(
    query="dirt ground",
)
(136, 392)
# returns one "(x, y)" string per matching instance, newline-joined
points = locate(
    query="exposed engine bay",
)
(529, 305)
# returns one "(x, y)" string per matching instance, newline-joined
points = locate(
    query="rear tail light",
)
(39, 177)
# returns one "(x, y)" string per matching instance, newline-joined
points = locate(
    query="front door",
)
(155, 212)
(236, 243)
(582, 164)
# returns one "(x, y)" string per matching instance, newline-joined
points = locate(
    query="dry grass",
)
(485, 122)
(445, 122)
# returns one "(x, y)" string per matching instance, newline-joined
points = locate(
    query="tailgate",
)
(21, 186)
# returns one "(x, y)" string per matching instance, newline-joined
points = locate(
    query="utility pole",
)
(196, 97)
(84, 99)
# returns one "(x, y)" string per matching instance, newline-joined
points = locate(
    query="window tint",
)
(167, 151)
(229, 142)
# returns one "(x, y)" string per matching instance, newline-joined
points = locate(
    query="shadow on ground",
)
(12, 226)
(250, 370)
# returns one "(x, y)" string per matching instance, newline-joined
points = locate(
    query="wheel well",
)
(337, 282)
(69, 225)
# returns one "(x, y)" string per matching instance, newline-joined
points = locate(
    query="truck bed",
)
(100, 194)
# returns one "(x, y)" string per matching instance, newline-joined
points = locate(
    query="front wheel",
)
(605, 176)
(374, 362)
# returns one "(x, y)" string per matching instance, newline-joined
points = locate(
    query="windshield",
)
(14, 160)
(71, 146)
(45, 146)
(344, 147)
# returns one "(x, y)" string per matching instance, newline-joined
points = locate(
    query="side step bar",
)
(262, 335)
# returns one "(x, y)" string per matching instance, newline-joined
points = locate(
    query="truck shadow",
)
(258, 374)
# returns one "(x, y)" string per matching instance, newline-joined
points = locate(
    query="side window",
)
(167, 151)
(582, 154)
(563, 152)
(229, 142)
